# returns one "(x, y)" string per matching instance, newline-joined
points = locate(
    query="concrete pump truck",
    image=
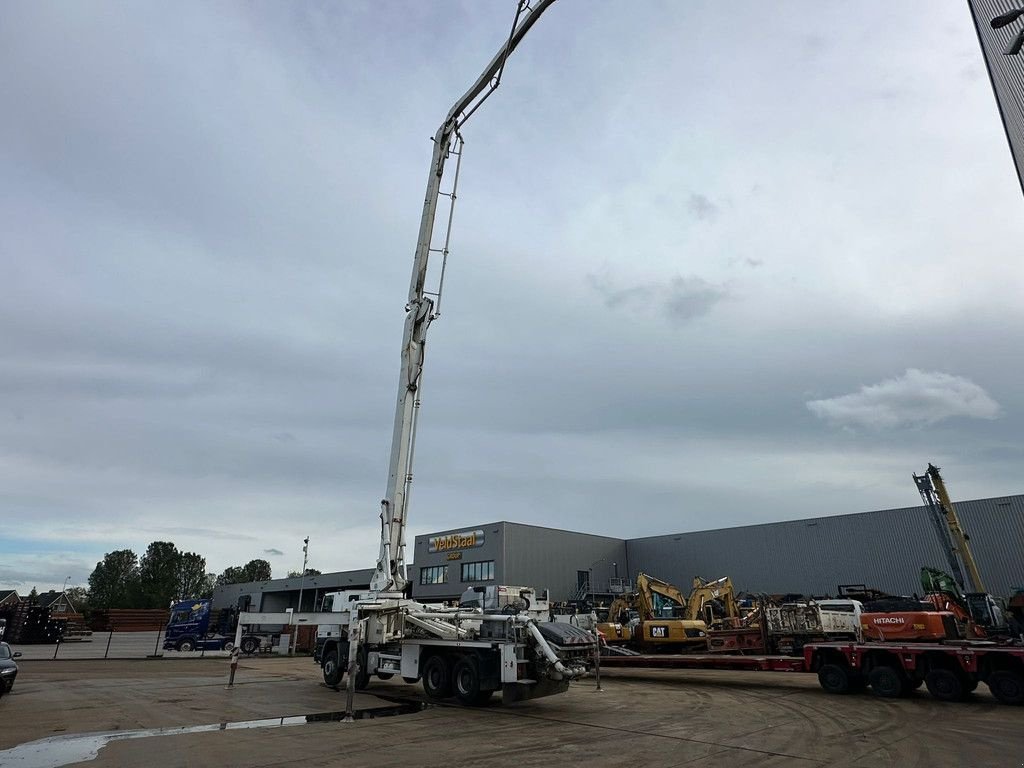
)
(499, 638)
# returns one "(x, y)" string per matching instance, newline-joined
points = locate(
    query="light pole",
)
(590, 578)
(302, 579)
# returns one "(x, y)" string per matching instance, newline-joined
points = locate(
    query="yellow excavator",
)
(657, 617)
(714, 602)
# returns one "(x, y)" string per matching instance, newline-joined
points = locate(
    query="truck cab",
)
(189, 628)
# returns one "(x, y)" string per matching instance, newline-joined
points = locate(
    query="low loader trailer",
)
(950, 671)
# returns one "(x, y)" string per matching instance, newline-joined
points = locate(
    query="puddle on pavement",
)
(58, 751)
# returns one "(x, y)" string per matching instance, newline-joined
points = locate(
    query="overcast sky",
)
(710, 267)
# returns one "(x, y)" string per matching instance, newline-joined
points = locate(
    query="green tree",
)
(309, 572)
(79, 597)
(158, 575)
(254, 570)
(192, 577)
(33, 596)
(114, 583)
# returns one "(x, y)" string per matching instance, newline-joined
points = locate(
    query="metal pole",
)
(597, 662)
(109, 638)
(302, 583)
(56, 648)
(156, 645)
(234, 665)
(354, 640)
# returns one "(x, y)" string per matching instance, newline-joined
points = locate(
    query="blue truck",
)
(194, 626)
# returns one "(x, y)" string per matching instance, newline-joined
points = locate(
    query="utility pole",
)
(302, 579)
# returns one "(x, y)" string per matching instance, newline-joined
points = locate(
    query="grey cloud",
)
(916, 398)
(679, 300)
(701, 207)
(207, 222)
(272, 551)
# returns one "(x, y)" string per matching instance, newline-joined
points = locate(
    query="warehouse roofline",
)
(1008, 499)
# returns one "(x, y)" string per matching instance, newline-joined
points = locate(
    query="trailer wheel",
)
(834, 678)
(944, 685)
(437, 678)
(466, 680)
(887, 682)
(333, 671)
(1007, 686)
(186, 644)
(250, 645)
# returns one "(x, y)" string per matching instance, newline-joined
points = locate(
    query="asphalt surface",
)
(642, 717)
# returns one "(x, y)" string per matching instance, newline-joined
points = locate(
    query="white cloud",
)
(916, 398)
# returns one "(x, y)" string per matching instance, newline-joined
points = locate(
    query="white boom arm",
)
(390, 575)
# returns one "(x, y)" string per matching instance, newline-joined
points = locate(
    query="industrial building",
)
(883, 549)
(1004, 58)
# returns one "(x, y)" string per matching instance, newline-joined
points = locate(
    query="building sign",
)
(453, 541)
(454, 555)
(1001, 36)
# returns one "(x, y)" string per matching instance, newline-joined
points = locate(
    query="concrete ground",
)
(643, 717)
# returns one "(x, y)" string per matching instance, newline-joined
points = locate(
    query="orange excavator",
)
(889, 618)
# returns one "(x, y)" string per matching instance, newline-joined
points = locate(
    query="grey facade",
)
(884, 549)
(1005, 71)
(522, 555)
(275, 595)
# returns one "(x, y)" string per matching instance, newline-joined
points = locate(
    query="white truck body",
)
(504, 641)
(827, 619)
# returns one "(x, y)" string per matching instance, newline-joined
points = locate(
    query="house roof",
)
(5, 594)
(46, 599)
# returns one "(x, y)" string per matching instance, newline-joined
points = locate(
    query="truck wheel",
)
(944, 685)
(437, 678)
(186, 644)
(466, 680)
(228, 646)
(888, 682)
(834, 678)
(385, 675)
(332, 669)
(362, 673)
(1007, 686)
(250, 645)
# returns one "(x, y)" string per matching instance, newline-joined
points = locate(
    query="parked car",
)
(8, 668)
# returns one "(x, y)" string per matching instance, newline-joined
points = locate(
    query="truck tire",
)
(1007, 686)
(186, 644)
(332, 669)
(227, 645)
(249, 645)
(888, 682)
(945, 685)
(466, 680)
(834, 678)
(362, 673)
(385, 675)
(437, 678)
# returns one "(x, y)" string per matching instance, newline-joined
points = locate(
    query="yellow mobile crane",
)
(986, 613)
(951, 532)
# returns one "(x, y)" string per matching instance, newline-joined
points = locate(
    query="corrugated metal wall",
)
(1006, 72)
(883, 549)
(548, 558)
